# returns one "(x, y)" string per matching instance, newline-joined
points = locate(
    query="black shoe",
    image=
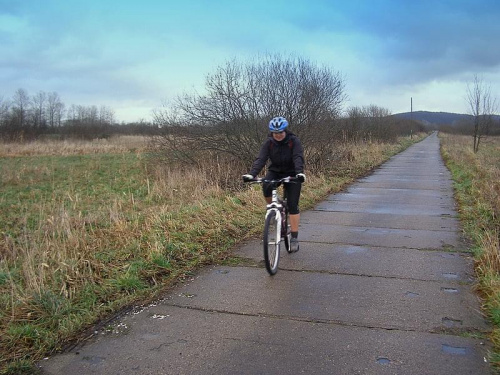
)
(294, 245)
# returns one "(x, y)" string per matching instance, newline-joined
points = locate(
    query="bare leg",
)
(294, 222)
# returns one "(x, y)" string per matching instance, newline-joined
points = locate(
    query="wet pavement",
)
(382, 284)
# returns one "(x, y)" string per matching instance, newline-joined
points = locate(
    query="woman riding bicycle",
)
(284, 150)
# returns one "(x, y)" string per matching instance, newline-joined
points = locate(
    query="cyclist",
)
(286, 156)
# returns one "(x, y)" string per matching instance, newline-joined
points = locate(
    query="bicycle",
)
(276, 226)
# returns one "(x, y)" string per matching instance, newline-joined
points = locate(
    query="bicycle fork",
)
(277, 213)
(277, 206)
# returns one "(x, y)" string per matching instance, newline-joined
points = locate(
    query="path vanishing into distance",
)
(382, 284)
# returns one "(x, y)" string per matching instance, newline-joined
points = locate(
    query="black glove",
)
(247, 177)
(301, 177)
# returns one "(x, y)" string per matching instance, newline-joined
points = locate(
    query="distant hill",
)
(446, 121)
(436, 118)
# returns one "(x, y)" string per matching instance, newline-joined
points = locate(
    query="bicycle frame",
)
(276, 204)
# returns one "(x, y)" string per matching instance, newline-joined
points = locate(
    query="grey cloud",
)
(429, 39)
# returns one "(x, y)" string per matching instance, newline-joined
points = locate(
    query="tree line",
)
(27, 117)
(230, 117)
(239, 98)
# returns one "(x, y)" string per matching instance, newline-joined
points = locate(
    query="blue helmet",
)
(278, 124)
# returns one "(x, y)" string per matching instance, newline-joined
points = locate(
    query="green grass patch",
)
(21, 367)
(31, 186)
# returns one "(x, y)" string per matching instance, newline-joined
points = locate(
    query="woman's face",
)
(279, 136)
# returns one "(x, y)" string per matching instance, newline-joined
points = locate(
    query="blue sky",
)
(134, 55)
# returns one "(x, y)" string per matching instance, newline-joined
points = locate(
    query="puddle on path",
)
(448, 255)
(412, 294)
(453, 349)
(383, 361)
(94, 360)
(449, 290)
(450, 276)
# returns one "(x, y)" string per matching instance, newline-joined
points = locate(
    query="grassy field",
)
(87, 229)
(477, 190)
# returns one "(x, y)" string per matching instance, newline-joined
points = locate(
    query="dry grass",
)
(115, 144)
(477, 186)
(82, 236)
(477, 181)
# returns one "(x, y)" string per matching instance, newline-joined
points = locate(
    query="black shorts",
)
(292, 191)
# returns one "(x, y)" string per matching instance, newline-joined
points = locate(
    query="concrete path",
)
(381, 285)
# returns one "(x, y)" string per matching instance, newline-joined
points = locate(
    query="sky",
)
(134, 56)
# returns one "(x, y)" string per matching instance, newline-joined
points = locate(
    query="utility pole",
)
(411, 116)
(411, 108)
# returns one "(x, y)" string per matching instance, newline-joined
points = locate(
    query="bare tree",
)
(106, 115)
(38, 103)
(231, 117)
(55, 109)
(91, 114)
(482, 106)
(4, 110)
(20, 105)
(4, 118)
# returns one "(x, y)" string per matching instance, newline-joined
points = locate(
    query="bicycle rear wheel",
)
(272, 237)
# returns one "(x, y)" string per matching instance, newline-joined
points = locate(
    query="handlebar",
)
(259, 180)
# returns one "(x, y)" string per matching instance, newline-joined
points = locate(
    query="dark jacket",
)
(286, 156)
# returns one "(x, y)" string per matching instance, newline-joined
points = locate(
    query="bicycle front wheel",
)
(272, 237)
(288, 234)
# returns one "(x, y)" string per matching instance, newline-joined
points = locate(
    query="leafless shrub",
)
(482, 106)
(231, 118)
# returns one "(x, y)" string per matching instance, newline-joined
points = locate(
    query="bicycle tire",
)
(272, 238)
(288, 235)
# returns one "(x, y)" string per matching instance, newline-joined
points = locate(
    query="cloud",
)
(420, 40)
(134, 55)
